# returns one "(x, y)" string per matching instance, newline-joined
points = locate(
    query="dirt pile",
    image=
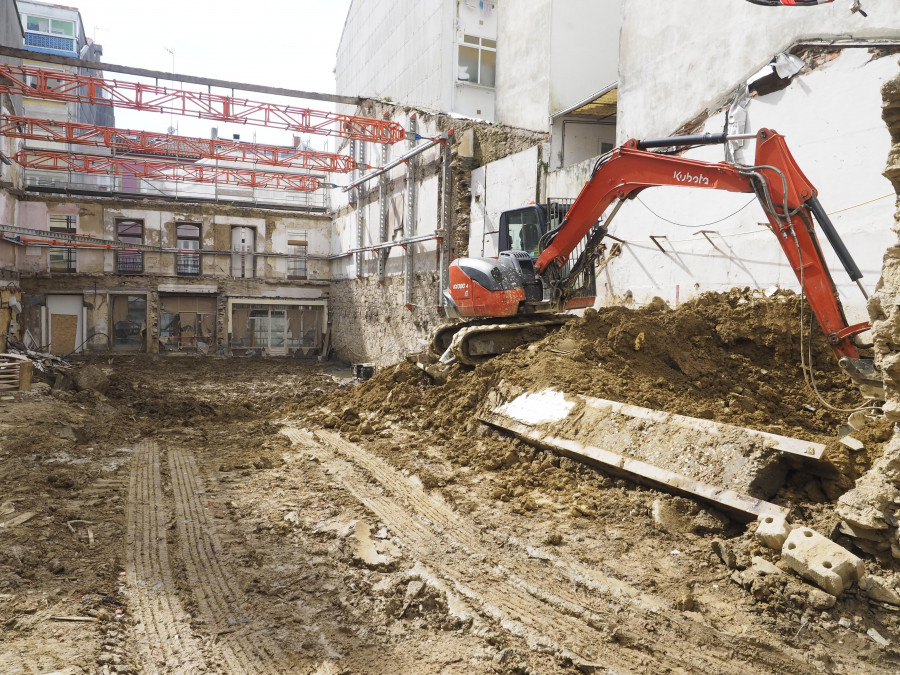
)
(732, 357)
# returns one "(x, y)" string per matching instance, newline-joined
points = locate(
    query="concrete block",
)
(818, 559)
(773, 530)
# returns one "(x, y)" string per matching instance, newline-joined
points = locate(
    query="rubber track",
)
(464, 334)
(529, 598)
(241, 643)
(163, 629)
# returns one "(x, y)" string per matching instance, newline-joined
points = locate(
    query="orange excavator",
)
(503, 302)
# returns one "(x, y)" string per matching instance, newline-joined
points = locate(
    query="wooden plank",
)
(21, 519)
(63, 329)
(742, 506)
(26, 375)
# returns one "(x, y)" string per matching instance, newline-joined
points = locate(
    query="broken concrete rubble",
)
(773, 530)
(869, 510)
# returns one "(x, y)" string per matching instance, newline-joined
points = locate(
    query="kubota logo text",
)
(687, 177)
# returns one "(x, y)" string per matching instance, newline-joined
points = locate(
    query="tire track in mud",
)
(537, 601)
(163, 630)
(238, 641)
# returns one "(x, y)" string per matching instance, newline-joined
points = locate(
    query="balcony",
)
(50, 44)
(187, 264)
(129, 262)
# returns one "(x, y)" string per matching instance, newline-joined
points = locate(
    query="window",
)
(130, 261)
(477, 60)
(523, 227)
(63, 260)
(187, 260)
(298, 252)
(40, 24)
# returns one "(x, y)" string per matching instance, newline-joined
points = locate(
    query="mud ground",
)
(269, 515)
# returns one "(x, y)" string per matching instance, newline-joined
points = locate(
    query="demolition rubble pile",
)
(730, 358)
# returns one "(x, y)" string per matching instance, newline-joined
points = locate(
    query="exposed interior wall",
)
(372, 320)
(672, 70)
(507, 183)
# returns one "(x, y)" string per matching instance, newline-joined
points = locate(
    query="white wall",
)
(508, 183)
(676, 62)
(400, 50)
(523, 64)
(584, 49)
(831, 119)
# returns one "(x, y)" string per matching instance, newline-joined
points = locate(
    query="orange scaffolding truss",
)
(59, 85)
(172, 147)
(158, 170)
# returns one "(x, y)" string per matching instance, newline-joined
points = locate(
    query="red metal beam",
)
(157, 170)
(59, 85)
(172, 147)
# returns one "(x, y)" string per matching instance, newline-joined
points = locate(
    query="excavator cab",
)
(522, 229)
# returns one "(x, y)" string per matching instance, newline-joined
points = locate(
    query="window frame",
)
(298, 254)
(480, 48)
(129, 261)
(188, 264)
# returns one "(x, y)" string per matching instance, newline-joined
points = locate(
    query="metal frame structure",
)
(171, 147)
(143, 168)
(59, 85)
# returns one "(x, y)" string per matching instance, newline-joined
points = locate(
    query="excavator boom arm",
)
(787, 197)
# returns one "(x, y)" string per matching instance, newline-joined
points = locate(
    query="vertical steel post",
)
(360, 213)
(383, 215)
(444, 241)
(410, 229)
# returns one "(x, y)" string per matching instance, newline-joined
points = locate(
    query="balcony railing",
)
(50, 42)
(187, 264)
(130, 262)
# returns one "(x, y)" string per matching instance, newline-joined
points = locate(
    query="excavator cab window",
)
(522, 229)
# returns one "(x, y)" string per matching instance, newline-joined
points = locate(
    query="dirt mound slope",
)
(732, 357)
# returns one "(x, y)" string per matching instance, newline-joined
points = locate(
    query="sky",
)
(283, 43)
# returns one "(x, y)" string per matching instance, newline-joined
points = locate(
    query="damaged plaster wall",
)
(371, 319)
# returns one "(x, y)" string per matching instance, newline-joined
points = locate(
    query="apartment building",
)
(134, 261)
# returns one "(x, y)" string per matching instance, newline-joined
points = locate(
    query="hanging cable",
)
(806, 352)
(715, 222)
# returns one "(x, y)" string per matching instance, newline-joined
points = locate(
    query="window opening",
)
(187, 260)
(477, 60)
(243, 244)
(298, 252)
(129, 320)
(63, 260)
(130, 232)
